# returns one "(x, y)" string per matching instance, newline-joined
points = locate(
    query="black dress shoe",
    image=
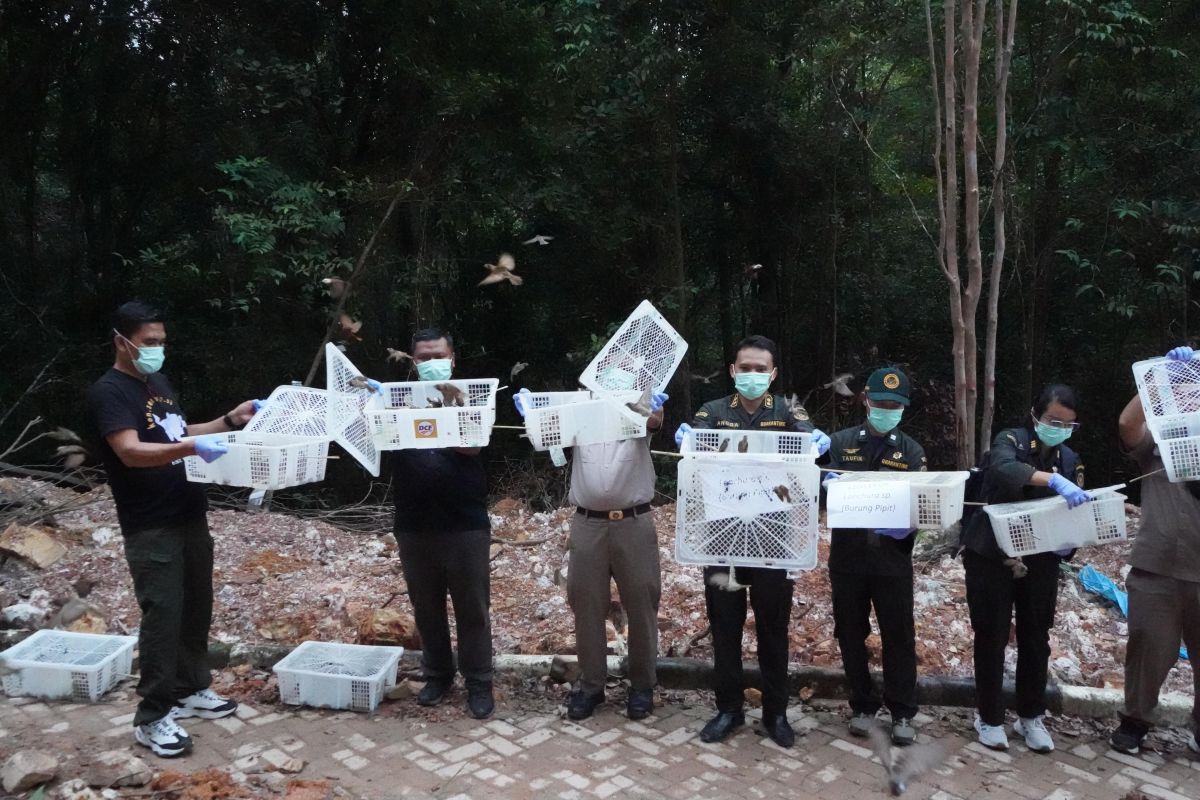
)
(433, 692)
(639, 704)
(720, 726)
(581, 704)
(779, 730)
(480, 702)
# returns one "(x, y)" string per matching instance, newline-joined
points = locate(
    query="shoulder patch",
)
(701, 413)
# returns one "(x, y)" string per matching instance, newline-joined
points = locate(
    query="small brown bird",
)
(61, 434)
(642, 406)
(723, 446)
(502, 271)
(335, 286)
(73, 455)
(706, 379)
(839, 384)
(782, 493)
(516, 368)
(744, 445)
(903, 764)
(359, 382)
(539, 239)
(434, 403)
(451, 394)
(349, 327)
(397, 355)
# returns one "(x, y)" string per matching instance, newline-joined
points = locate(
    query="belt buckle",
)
(616, 516)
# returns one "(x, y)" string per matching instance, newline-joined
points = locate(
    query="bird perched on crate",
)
(451, 394)
(904, 764)
(360, 382)
(782, 493)
(502, 271)
(744, 445)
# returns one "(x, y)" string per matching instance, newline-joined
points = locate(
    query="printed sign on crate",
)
(745, 491)
(425, 428)
(869, 504)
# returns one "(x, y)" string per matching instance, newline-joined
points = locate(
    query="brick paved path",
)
(524, 753)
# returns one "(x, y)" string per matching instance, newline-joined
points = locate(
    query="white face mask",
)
(149, 359)
(435, 369)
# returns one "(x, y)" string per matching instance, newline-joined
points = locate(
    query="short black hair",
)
(431, 335)
(758, 343)
(1055, 393)
(132, 315)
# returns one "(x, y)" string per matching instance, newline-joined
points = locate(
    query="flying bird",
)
(751, 270)
(61, 434)
(502, 271)
(349, 327)
(904, 764)
(397, 355)
(516, 368)
(642, 406)
(72, 455)
(451, 394)
(839, 384)
(335, 286)
(539, 239)
(706, 378)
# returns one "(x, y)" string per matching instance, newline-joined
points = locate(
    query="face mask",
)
(752, 385)
(435, 369)
(884, 419)
(148, 359)
(618, 380)
(1050, 435)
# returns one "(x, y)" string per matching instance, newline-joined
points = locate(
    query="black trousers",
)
(892, 597)
(437, 564)
(172, 579)
(992, 595)
(771, 598)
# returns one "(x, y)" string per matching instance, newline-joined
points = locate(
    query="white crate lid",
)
(354, 435)
(318, 414)
(1168, 387)
(643, 354)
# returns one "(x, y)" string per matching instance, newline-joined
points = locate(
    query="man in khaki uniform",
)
(613, 537)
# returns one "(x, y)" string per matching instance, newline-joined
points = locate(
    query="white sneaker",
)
(164, 737)
(205, 704)
(1037, 738)
(991, 736)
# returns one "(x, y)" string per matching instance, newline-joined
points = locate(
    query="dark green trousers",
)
(172, 578)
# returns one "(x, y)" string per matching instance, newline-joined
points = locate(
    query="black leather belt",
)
(615, 516)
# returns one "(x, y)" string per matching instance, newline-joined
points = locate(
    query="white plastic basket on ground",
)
(722, 443)
(643, 354)
(936, 497)
(335, 675)
(564, 421)
(748, 512)
(431, 414)
(1042, 526)
(66, 665)
(1169, 389)
(262, 461)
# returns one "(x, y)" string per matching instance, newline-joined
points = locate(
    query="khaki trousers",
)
(1162, 611)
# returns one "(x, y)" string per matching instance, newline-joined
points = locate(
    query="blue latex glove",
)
(829, 476)
(1184, 353)
(210, 447)
(894, 533)
(375, 385)
(522, 401)
(1074, 495)
(820, 441)
(680, 432)
(656, 401)
(1063, 553)
(258, 404)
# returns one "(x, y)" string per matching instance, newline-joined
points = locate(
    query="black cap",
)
(888, 383)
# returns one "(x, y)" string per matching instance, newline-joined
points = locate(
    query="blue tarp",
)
(1097, 582)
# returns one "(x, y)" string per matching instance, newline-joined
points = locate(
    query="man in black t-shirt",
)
(444, 534)
(139, 429)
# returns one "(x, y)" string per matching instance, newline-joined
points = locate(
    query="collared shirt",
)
(610, 476)
(860, 550)
(772, 415)
(1169, 540)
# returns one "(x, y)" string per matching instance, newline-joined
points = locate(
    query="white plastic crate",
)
(755, 512)
(937, 497)
(544, 399)
(351, 431)
(583, 419)
(1045, 525)
(67, 665)
(420, 415)
(643, 354)
(1168, 389)
(335, 675)
(720, 443)
(262, 461)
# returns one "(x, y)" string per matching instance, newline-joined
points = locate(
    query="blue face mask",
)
(1050, 435)
(752, 385)
(435, 369)
(148, 359)
(884, 419)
